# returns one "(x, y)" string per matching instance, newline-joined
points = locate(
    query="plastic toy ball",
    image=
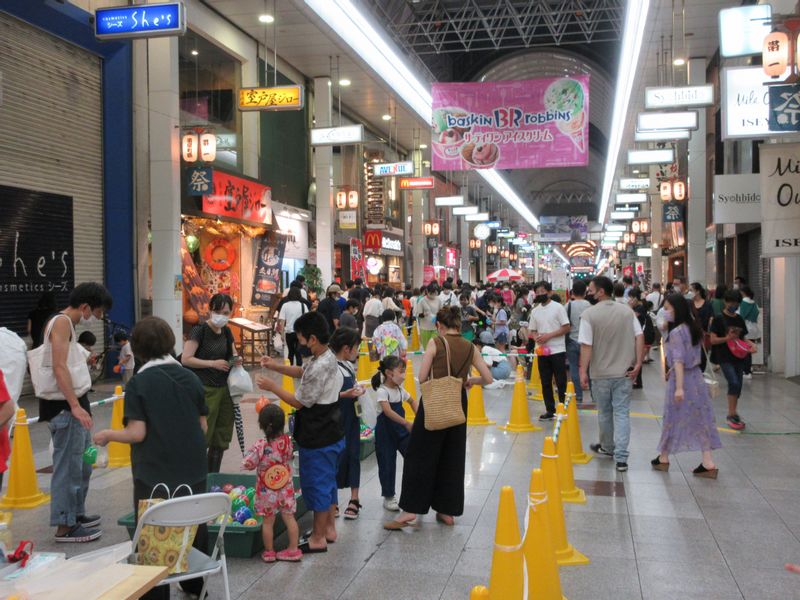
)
(230, 519)
(116, 369)
(250, 522)
(235, 492)
(242, 514)
(261, 403)
(227, 488)
(215, 489)
(238, 502)
(542, 351)
(90, 455)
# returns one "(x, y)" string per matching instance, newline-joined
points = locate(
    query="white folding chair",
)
(186, 511)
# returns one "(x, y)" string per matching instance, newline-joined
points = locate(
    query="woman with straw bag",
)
(433, 471)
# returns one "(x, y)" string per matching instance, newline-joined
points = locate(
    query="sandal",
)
(701, 471)
(351, 512)
(269, 556)
(658, 465)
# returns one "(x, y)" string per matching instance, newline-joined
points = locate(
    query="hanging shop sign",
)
(267, 280)
(450, 257)
(199, 181)
(679, 97)
(337, 136)
(348, 219)
(746, 104)
(416, 183)
(428, 274)
(357, 266)
(392, 169)
(673, 212)
(295, 232)
(742, 29)
(238, 198)
(137, 21)
(784, 108)
(564, 229)
(530, 124)
(431, 242)
(635, 184)
(193, 285)
(780, 199)
(376, 194)
(282, 97)
(36, 252)
(737, 199)
(383, 242)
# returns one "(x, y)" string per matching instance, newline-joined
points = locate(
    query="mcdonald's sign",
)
(373, 241)
(382, 242)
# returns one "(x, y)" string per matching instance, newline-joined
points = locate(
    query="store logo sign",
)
(282, 97)
(392, 169)
(151, 20)
(416, 183)
(394, 244)
(675, 97)
(372, 240)
(337, 136)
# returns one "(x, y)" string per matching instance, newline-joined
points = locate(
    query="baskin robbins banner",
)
(530, 124)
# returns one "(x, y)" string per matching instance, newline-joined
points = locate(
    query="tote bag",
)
(709, 377)
(164, 546)
(40, 362)
(443, 399)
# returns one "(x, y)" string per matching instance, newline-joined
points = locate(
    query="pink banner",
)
(531, 124)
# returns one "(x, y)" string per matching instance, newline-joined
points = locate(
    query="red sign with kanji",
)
(239, 198)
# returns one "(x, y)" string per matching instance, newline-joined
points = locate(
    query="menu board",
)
(376, 192)
(267, 280)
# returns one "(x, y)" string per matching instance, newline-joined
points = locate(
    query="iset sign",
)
(780, 199)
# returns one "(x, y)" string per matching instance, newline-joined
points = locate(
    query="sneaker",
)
(290, 555)
(734, 422)
(747, 376)
(88, 521)
(548, 416)
(622, 467)
(391, 504)
(79, 535)
(598, 449)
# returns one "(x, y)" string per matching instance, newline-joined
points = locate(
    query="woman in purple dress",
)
(688, 414)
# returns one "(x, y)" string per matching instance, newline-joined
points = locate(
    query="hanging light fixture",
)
(435, 228)
(665, 190)
(427, 229)
(189, 147)
(679, 190)
(635, 227)
(208, 147)
(775, 54)
(626, 238)
(341, 200)
(633, 238)
(352, 199)
(644, 226)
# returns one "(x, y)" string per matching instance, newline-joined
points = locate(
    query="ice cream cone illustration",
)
(566, 95)
(480, 156)
(447, 140)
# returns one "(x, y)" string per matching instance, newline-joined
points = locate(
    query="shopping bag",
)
(40, 361)
(709, 377)
(164, 546)
(368, 408)
(239, 382)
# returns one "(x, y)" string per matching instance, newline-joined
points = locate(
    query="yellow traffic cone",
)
(287, 383)
(520, 420)
(364, 371)
(119, 454)
(411, 387)
(476, 413)
(566, 554)
(23, 487)
(571, 389)
(566, 479)
(507, 576)
(479, 592)
(537, 547)
(414, 338)
(577, 455)
(535, 383)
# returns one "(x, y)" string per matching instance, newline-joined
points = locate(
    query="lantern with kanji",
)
(341, 200)
(208, 147)
(190, 147)
(775, 54)
(352, 199)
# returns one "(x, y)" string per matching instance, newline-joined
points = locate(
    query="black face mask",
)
(540, 299)
(590, 299)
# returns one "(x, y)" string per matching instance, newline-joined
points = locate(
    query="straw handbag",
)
(442, 398)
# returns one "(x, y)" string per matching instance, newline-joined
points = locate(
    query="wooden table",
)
(141, 581)
(256, 340)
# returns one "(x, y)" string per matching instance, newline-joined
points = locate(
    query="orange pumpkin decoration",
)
(191, 317)
(261, 403)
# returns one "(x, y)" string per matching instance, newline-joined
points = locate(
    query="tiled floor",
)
(650, 535)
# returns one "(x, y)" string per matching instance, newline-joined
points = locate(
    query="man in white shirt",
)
(656, 298)
(372, 313)
(612, 347)
(448, 297)
(549, 325)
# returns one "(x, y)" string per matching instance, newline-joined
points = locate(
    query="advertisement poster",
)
(357, 267)
(780, 209)
(524, 124)
(428, 274)
(564, 229)
(193, 284)
(36, 253)
(267, 280)
(238, 198)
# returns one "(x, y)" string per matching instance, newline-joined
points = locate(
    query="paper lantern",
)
(435, 228)
(665, 189)
(626, 238)
(341, 200)
(208, 147)
(645, 226)
(635, 226)
(190, 150)
(352, 199)
(775, 54)
(679, 190)
(633, 238)
(426, 229)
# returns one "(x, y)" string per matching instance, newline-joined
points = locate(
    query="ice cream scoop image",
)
(480, 156)
(566, 95)
(447, 140)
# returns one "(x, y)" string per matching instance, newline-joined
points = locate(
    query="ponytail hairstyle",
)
(271, 420)
(388, 363)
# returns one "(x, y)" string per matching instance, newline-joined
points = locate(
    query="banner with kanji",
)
(267, 280)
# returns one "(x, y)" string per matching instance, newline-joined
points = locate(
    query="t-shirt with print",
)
(272, 461)
(720, 326)
(212, 346)
(389, 340)
(319, 422)
(392, 396)
(5, 446)
(290, 312)
(547, 318)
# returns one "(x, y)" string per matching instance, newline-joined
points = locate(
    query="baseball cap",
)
(334, 288)
(486, 337)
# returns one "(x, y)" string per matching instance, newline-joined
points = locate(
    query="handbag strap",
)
(49, 329)
(158, 485)
(183, 485)
(447, 351)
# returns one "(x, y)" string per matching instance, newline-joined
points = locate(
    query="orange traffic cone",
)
(23, 487)
(287, 383)
(119, 454)
(507, 576)
(577, 455)
(479, 592)
(540, 555)
(566, 554)
(520, 420)
(535, 383)
(411, 387)
(566, 479)
(476, 413)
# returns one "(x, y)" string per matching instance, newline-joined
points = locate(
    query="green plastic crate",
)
(367, 447)
(241, 541)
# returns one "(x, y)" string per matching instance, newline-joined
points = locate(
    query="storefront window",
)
(209, 82)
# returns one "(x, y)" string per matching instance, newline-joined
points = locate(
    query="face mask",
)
(669, 316)
(540, 299)
(88, 321)
(733, 308)
(691, 295)
(736, 286)
(219, 320)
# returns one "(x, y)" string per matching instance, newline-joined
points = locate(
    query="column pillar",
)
(656, 232)
(418, 243)
(323, 173)
(696, 217)
(165, 182)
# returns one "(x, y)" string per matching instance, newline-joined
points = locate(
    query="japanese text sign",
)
(673, 212)
(284, 97)
(784, 108)
(530, 124)
(267, 280)
(239, 198)
(199, 182)
(148, 20)
(357, 266)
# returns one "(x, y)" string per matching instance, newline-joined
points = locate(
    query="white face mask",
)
(218, 320)
(92, 319)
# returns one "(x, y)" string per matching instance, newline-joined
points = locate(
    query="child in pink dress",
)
(272, 459)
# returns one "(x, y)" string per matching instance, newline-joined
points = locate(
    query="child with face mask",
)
(210, 353)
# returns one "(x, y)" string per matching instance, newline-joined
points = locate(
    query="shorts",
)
(318, 475)
(501, 338)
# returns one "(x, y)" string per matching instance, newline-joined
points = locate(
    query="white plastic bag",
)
(239, 382)
(368, 405)
(13, 361)
(277, 342)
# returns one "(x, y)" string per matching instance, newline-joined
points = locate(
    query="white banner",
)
(296, 232)
(737, 199)
(780, 199)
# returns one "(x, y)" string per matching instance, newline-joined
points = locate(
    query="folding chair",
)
(186, 511)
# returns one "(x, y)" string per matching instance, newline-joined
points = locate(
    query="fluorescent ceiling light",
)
(659, 121)
(450, 201)
(650, 157)
(636, 183)
(387, 117)
(679, 62)
(633, 32)
(423, 146)
(666, 135)
(632, 198)
(477, 217)
(371, 44)
(465, 210)
(345, 82)
(646, 252)
(613, 227)
(266, 19)
(622, 216)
